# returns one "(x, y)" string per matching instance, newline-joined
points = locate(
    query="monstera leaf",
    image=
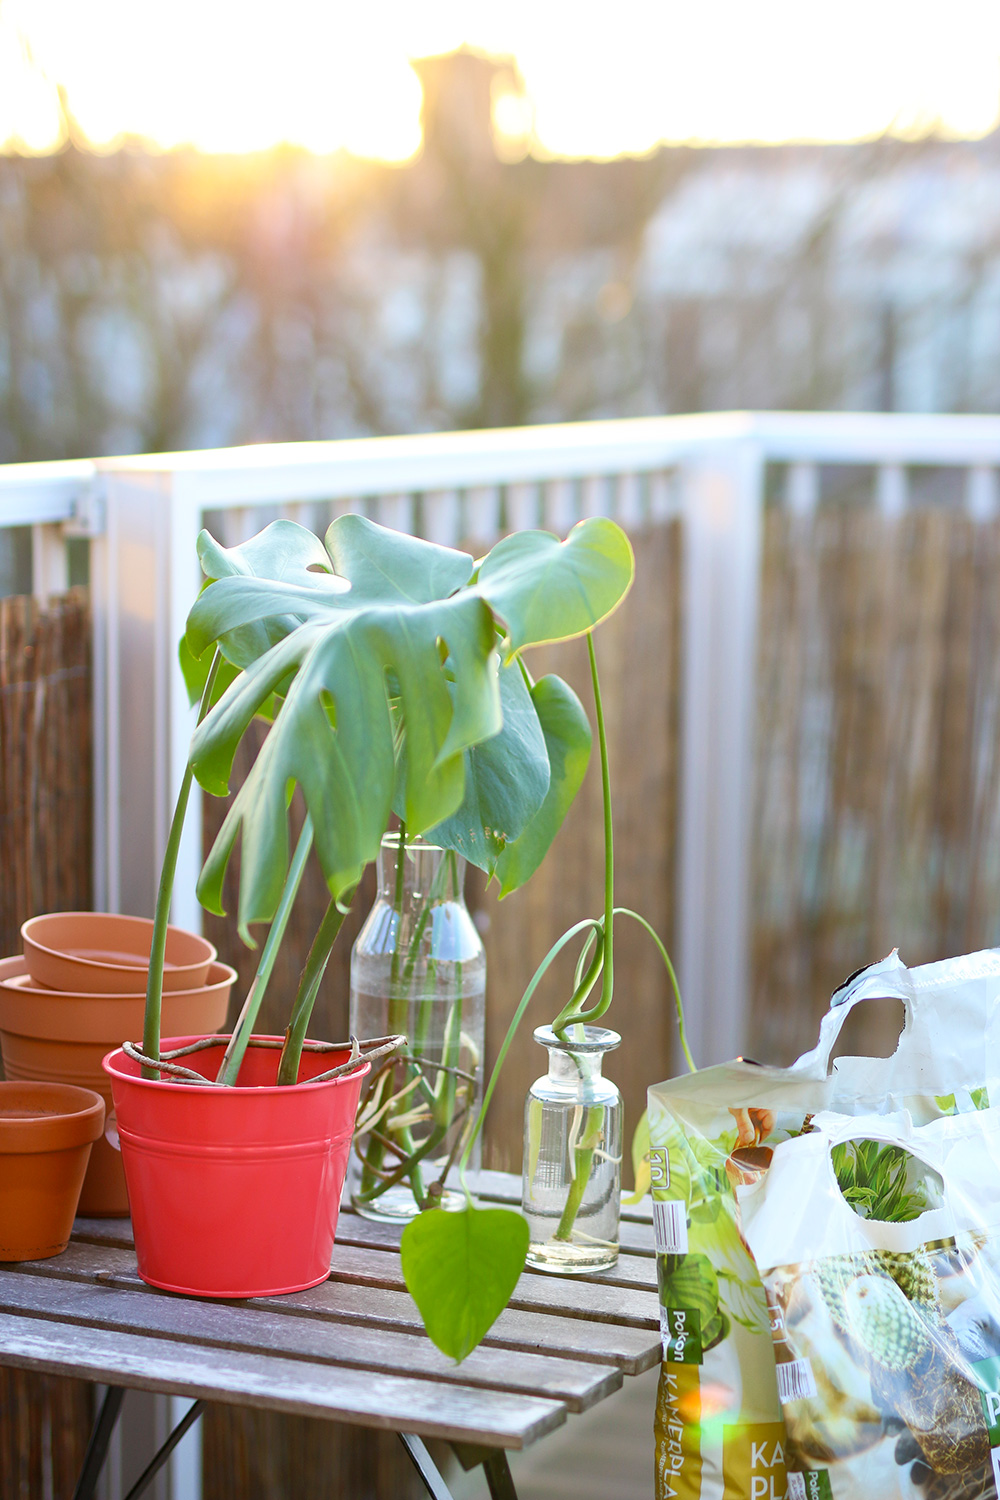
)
(566, 731)
(546, 590)
(506, 780)
(382, 651)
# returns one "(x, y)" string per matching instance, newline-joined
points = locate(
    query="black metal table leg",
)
(97, 1448)
(425, 1466)
(495, 1466)
(153, 1468)
(498, 1475)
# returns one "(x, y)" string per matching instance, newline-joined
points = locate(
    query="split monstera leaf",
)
(392, 672)
(403, 691)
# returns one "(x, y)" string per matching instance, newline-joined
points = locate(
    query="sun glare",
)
(240, 75)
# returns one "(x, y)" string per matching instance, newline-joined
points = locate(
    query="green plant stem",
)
(229, 1071)
(309, 983)
(572, 1011)
(413, 1154)
(164, 895)
(397, 906)
(588, 923)
(624, 911)
(584, 1161)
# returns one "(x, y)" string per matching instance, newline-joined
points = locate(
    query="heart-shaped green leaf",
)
(547, 590)
(461, 1269)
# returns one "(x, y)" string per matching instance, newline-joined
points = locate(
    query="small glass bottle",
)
(571, 1185)
(418, 969)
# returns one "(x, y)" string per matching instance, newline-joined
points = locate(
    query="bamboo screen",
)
(45, 760)
(877, 804)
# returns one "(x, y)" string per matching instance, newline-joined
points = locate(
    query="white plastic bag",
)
(887, 1334)
(719, 1430)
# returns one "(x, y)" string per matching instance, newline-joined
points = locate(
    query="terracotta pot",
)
(46, 1134)
(103, 953)
(235, 1191)
(63, 1037)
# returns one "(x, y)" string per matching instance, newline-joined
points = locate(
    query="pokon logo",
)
(813, 1485)
(680, 1330)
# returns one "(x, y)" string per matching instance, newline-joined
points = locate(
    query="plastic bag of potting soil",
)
(718, 1425)
(885, 1305)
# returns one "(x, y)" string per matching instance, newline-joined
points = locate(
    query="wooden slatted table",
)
(352, 1349)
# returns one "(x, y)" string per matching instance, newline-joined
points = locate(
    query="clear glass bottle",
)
(572, 1173)
(418, 968)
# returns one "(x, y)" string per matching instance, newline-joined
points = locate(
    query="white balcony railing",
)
(142, 516)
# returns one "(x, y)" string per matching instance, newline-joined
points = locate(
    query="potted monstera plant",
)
(391, 672)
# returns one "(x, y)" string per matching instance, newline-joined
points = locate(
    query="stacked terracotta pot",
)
(79, 990)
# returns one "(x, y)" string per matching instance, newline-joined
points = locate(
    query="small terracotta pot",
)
(46, 1134)
(45, 1034)
(103, 953)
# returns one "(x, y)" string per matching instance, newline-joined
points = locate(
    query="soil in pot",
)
(235, 1191)
(62, 1037)
(46, 1134)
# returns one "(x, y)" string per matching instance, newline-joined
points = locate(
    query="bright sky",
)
(602, 78)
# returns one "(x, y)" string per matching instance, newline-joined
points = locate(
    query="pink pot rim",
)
(234, 1090)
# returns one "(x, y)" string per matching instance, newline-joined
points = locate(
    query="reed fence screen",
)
(46, 773)
(877, 799)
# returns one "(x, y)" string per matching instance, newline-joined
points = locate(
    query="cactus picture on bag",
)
(887, 1363)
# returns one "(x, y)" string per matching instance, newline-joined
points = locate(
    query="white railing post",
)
(185, 579)
(49, 566)
(722, 498)
(144, 579)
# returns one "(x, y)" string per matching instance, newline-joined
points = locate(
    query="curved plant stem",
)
(309, 983)
(229, 1070)
(164, 895)
(605, 948)
(536, 978)
(624, 911)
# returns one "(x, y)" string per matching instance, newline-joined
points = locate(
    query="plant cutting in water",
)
(417, 968)
(461, 1267)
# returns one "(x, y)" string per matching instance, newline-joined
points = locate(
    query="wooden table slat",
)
(246, 1325)
(631, 1350)
(366, 1397)
(571, 1297)
(352, 1229)
(371, 1258)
